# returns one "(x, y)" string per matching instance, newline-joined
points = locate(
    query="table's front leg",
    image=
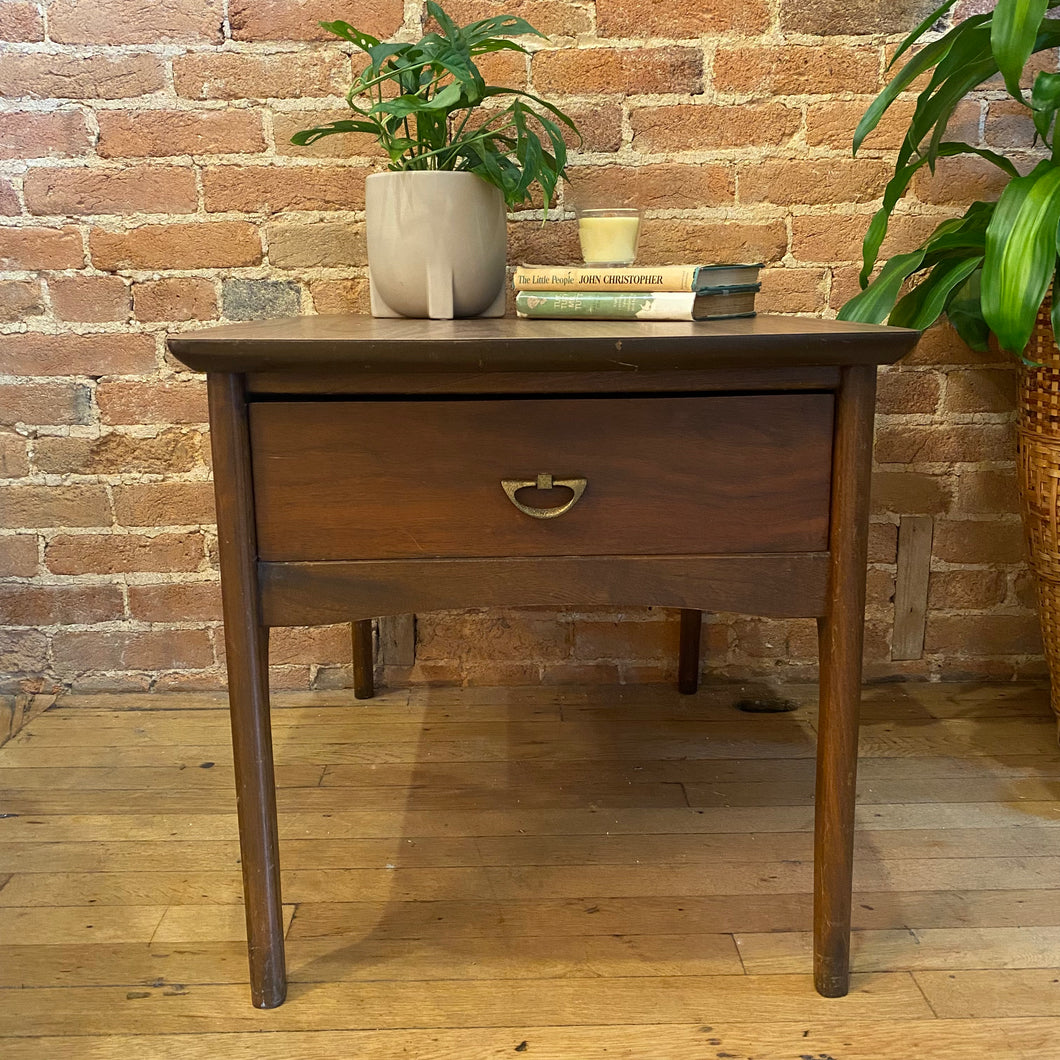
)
(247, 652)
(841, 638)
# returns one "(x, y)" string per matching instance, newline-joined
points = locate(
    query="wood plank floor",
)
(569, 873)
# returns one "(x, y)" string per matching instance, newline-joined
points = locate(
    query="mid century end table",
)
(369, 467)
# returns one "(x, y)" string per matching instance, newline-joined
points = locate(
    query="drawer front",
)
(663, 476)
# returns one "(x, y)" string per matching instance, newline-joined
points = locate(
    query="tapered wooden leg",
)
(841, 634)
(247, 653)
(688, 655)
(363, 659)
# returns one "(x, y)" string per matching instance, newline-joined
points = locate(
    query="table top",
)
(508, 344)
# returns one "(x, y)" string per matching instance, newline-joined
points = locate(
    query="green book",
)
(719, 303)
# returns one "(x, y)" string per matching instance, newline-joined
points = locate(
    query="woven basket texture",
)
(1039, 470)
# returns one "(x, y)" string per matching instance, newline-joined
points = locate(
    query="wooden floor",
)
(573, 874)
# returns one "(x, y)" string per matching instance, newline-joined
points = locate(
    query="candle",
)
(609, 237)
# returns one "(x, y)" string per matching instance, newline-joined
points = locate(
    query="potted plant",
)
(460, 151)
(990, 271)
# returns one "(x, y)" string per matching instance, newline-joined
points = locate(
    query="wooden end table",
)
(368, 467)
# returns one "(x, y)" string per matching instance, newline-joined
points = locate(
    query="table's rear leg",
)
(363, 659)
(841, 633)
(247, 653)
(688, 654)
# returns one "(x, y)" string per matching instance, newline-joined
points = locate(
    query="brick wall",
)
(147, 186)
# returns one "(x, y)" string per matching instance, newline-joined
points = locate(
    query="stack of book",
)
(657, 292)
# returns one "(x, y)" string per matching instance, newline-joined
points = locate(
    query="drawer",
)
(668, 475)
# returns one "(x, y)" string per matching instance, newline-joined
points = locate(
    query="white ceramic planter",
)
(437, 245)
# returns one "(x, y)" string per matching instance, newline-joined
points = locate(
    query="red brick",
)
(308, 244)
(340, 296)
(31, 353)
(665, 186)
(960, 180)
(176, 601)
(164, 504)
(1008, 125)
(52, 134)
(909, 492)
(625, 639)
(318, 644)
(832, 237)
(159, 133)
(89, 298)
(9, 202)
(204, 75)
(124, 553)
(175, 401)
(965, 590)
(796, 69)
(673, 241)
(175, 298)
(490, 636)
(111, 22)
(21, 21)
(600, 126)
(941, 345)
(41, 248)
(22, 652)
(814, 182)
(60, 605)
(680, 18)
(298, 19)
(907, 392)
(341, 145)
(983, 634)
(619, 71)
(691, 127)
(175, 449)
(136, 189)
(270, 189)
(18, 555)
(35, 507)
(170, 649)
(20, 299)
(14, 456)
(969, 443)
(50, 75)
(792, 291)
(850, 17)
(987, 491)
(554, 18)
(981, 390)
(883, 542)
(45, 403)
(211, 245)
(978, 541)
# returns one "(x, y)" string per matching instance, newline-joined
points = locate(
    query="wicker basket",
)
(1039, 471)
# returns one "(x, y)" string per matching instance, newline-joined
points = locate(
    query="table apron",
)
(779, 585)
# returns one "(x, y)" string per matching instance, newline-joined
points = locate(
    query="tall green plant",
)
(430, 108)
(989, 270)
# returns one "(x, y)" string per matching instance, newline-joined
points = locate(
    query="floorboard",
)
(574, 874)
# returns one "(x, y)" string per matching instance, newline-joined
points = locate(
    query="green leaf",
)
(923, 61)
(1020, 258)
(964, 311)
(920, 31)
(1045, 100)
(924, 304)
(309, 136)
(1013, 32)
(874, 304)
(364, 41)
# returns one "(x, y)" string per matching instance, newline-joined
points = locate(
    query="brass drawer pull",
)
(544, 482)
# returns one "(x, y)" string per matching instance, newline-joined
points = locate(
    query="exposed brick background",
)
(147, 185)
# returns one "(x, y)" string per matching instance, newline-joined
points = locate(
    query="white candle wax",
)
(608, 240)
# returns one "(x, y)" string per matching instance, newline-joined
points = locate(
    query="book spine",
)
(675, 278)
(602, 305)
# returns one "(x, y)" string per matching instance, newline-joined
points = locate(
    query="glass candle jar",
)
(609, 235)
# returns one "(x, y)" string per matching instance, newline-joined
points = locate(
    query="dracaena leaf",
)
(874, 304)
(924, 304)
(1014, 29)
(1021, 254)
